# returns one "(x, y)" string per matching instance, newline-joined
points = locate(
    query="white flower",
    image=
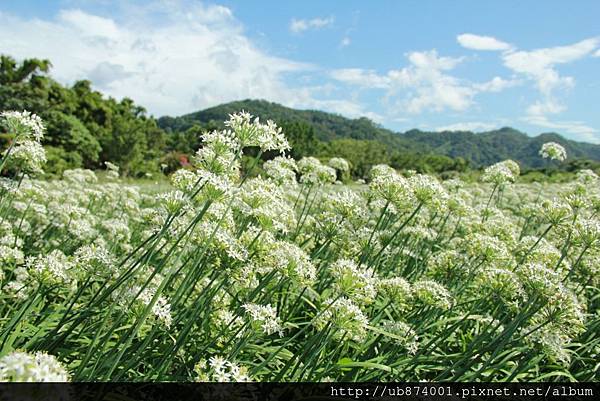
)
(51, 268)
(313, 172)
(339, 164)
(24, 124)
(281, 169)
(553, 151)
(80, 176)
(23, 367)
(587, 176)
(184, 180)
(292, 261)
(345, 319)
(432, 293)
(162, 310)
(265, 202)
(390, 186)
(251, 132)
(29, 156)
(219, 153)
(172, 201)
(501, 173)
(428, 190)
(405, 336)
(396, 289)
(220, 370)
(357, 283)
(265, 318)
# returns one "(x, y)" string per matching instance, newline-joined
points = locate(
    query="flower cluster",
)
(227, 275)
(24, 367)
(339, 164)
(501, 173)
(265, 318)
(218, 369)
(249, 131)
(26, 152)
(553, 151)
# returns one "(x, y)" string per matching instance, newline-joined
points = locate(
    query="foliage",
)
(477, 150)
(287, 277)
(84, 128)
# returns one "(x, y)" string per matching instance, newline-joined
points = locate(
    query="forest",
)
(86, 128)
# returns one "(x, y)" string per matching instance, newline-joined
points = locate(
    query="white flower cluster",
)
(501, 173)
(249, 131)
(344, 318)
(252, 270)
(220, 370)
(24, 124)
(312, 171)
(282, 170)
(264, 317)
(390, 186)
(112, 171)
(265, 203)
(339, 164)
(553, 151)
(24, 367)
(354, 282)
(291, 261)
(403, 335)
(26, 152)
(161, 309)
(431, 293)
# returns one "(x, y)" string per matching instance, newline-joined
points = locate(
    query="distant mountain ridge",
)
(481, 149)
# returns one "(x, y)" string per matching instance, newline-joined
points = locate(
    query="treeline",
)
(86, 128)
(479, 149)
(361, 153)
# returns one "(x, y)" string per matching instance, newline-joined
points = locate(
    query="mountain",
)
(327, 126)
(480, 149)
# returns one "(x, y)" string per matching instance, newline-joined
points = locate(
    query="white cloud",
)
(345, 41)
(90, 25)
(475, 126)
(539, 64)
(540, 67)
(427, 86)
(301, 25)
(361, 78)
(105, 73)
(419, 86)
(496, 84)
(546, 106)
(424, 84)
(190, 59)
(577, 129)
(478, 42)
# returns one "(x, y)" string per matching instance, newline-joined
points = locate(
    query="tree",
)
(84, 129)
(301, 137)
(67, 132)
(12, 73)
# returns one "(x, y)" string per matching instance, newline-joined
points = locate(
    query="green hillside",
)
(85, 128)
(328, 126)
(480, 149)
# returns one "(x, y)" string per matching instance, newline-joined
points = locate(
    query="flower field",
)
(289, 277)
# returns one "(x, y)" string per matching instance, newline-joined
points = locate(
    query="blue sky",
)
(432, 65)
